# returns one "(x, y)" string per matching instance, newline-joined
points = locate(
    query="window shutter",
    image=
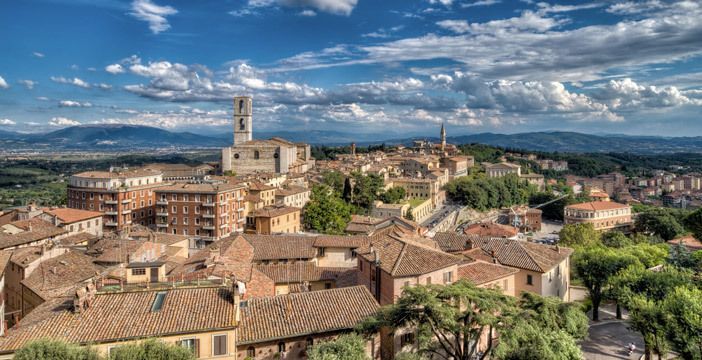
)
(197, 348)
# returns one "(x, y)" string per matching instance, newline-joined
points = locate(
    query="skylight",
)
(158, 302)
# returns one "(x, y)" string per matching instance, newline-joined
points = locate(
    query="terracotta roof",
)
(491, 229)
(258, 186)
(114, 251)
(403, 257)
(26, 237)
(77, 239)
(5, 256)
(480, 272)
(229, 256)
(688, 241)
(520, 254)
(598, 205)
(278, 247)
(273, 211)
(291, 190)
(69, 216)
(119, 174)
(59, 275)
(199, 188)
(34, 223)
(121, 316)
(299, 271)
(452, 242)
(300, 314)
(341, 241)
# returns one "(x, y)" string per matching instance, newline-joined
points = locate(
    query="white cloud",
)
(38, 54)
(627, 94)
(7, 122)
(481, 3)
(442, 2)
(3, 83)
(29, 84)
(71, 103)
(103, 86)
(635, 7)
(308, 13)
(62, 122)
(546, 8)
(154, 14)
(74, 81)
(457, 26)
(338, 7)
(114, 69)
(185, 117)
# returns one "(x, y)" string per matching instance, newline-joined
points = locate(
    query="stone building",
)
(603, 215)
(249, 156)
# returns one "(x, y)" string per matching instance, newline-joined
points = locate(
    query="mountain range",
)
(131, 137)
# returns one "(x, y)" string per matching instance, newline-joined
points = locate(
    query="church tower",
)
(443, 138)
(243, 123)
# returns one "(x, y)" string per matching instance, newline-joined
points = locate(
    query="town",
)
(271, 253)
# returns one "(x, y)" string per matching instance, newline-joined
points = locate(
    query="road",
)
(608, 340)
(439, 214)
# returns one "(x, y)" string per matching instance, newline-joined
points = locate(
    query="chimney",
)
(53, 270)
(236, 299)
(79, 300)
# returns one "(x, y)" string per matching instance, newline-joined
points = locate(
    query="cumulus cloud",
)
(72, 81)
(627, 94)
(184, 117)
(457, 26)
(71, 103)
(442, 2)
(103, 86)
(154, 14)
(3, 83)
(37, 54)
(7, 122)
(308, 13)
(337, 7)
(62, 122)
(114, 69)
(480, 3)
(29, 84)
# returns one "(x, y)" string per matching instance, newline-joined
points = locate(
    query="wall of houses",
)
(295, 348)
(337, 257)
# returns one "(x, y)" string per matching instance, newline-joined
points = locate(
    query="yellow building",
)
(276, 219)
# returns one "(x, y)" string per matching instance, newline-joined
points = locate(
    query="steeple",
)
(443, 138)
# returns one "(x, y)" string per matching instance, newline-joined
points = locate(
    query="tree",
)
(658, 221)
(596, 266)
(393, 195)
(582, 234)
(151, 349)
(693, 222)
(643, 292)
(616, 239)
(681, 257)
(345, 347)
(47, 349)
(326, 212)
(684, 323)
(334, 179)
(347, 194)
(366, 190)
(409, 215)
(450, 319)
(649, 255)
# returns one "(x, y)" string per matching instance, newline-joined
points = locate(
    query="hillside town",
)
(270, 252)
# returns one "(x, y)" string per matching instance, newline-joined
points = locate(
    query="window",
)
(257, 155)
(327, 286)
(310, 341)
(251, 352)
(505, 285)
(320, 251)
(139, 271)
(448, 277)
(219, 345)
(192, 345)
(281, 347)
(530, 280)
(158, 301)
(242, 124)
(406, 339)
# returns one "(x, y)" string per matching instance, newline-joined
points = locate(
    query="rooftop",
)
(598, 206)
(481, 272)
(118, 174)
(274, 211)
(69, 216)
(200, 188)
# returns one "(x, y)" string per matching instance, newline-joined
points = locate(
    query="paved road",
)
(608, 341)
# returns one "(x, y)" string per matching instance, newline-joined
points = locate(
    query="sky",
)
(375, 67)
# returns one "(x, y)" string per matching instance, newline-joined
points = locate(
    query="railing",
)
(110, 223)
(111, 202)
(208, 204)
(161, 214)
(162, 202)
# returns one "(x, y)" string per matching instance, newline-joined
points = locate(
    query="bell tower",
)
(243, 123)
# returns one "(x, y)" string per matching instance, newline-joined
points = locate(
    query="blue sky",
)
(390, 67)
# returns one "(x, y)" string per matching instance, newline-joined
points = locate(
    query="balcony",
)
(111, 212)
(208, 204)
(241, 220)
(111, 224)
(126, 211)
(111, 202)
(241, 209)
(223, 226)
(208, 216)
(162, 202)
(126, 201)
(161, 214)
(208, 227)
(224, 214)
(161, 225)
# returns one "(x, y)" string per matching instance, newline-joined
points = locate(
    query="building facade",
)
(603, 215)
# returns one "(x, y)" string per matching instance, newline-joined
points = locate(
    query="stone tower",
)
(443, 138)
(243, 123)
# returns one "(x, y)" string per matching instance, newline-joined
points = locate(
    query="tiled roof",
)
(273, 211)
(452, 242)
(491, 229)
(598, 205)
(120, 174)
(229, 256)
(25, 255)
(341, 241)
(300, 314)
(59, 275)
(69, 216)
(278, 247)
(258, 186)
(26, 237)
(299, 271)
(114, 250)
(480, 272)
(403, 257)
(34, 223)
(121, 316)
(522, 254)
(199, 188)
(77, 239)
(291, 190)
(5, 256)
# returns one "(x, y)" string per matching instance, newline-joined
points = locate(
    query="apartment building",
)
(458, 165)
(74, 221)
(205, 210)
(277, 219)
(502, 169)
(293, 196)
(603, 215)
(124, 197)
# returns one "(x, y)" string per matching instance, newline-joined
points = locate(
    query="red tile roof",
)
(491, 229)
(598, 206)
(480, 272)
(69, 216)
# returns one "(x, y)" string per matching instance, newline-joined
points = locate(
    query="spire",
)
(443, 138)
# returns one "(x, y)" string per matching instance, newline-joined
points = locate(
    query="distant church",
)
(248, 156)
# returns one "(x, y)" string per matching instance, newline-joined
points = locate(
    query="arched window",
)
(241, 106)
(242, 124)
(251, 352)
(281, 347)
(256, 155)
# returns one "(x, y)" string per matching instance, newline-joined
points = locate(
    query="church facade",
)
(249, 156)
